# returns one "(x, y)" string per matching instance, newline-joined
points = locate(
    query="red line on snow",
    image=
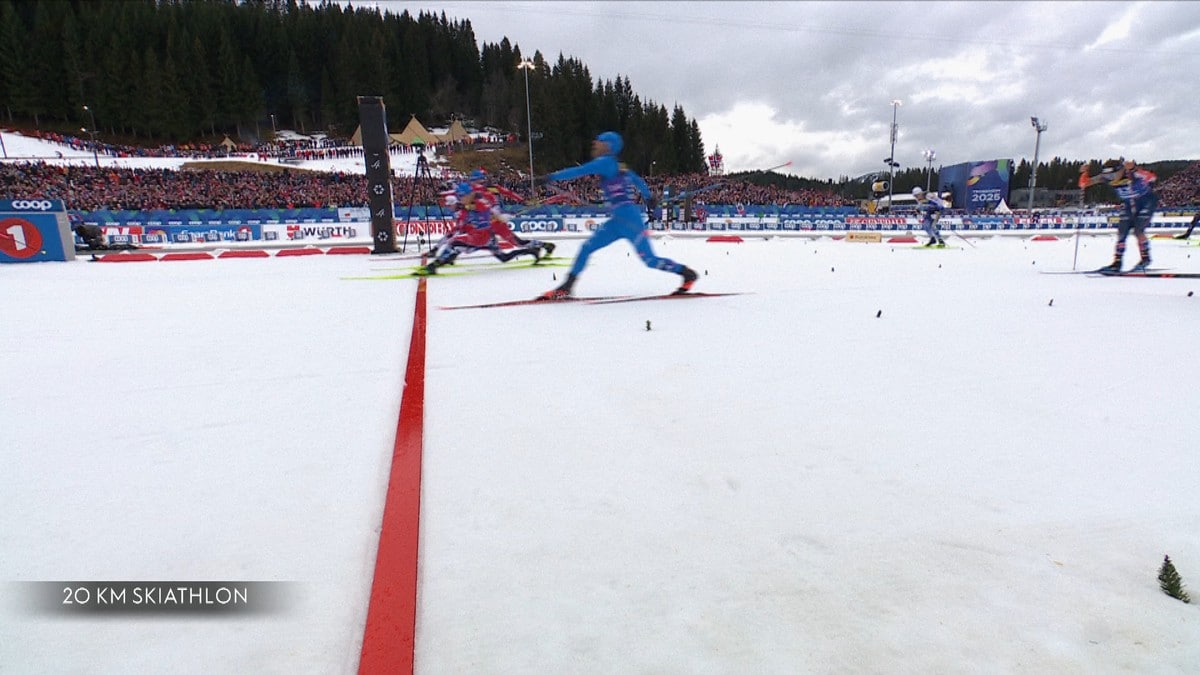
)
(390, 635)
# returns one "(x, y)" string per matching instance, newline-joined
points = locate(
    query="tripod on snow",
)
(423, 189)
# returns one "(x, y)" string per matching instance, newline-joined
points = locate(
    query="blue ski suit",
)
(928, 211)
(1138, 200)
(625, 219)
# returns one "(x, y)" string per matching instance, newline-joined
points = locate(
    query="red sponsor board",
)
(424, 226)
(875, 220)
(134, 231)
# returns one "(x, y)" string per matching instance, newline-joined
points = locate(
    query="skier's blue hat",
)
(614, 141)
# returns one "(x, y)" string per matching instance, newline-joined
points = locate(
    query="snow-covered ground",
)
(19, 147)
(878, 459)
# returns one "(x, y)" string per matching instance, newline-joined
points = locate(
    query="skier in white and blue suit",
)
(625, 219)
(928, 208)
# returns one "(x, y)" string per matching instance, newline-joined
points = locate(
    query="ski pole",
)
(1075, 260)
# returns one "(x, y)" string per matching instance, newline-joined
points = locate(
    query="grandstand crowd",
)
(89, 188)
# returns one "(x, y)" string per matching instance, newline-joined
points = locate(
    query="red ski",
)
(539, 301)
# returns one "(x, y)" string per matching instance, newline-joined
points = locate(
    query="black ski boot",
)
(689, 280)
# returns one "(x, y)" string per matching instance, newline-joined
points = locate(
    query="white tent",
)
(1002, 207)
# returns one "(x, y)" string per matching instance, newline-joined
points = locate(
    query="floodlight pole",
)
(527, 66)
(929, 156)
(92, 133)
(896, 103)
(1037, 145)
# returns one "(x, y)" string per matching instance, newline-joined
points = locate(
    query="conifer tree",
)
(1169, 581)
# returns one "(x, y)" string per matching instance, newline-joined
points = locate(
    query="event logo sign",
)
(19, 238)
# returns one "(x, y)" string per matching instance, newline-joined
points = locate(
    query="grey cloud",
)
(833, 68)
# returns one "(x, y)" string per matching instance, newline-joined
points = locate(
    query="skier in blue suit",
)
(625, 220)
(929, 206)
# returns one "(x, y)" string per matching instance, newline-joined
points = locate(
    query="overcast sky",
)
(812, 82)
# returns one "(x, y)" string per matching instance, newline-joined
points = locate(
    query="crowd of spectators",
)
(87, 188)
(283, 146)
(90, 189)
(713, 190)
(704, 188)
(1182, 189)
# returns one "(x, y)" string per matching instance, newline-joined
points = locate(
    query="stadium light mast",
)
(891, 160)
(527, 65)
(92, 132)
(1039, 127)
(929, 156)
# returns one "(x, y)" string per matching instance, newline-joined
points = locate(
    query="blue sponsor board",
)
(821, 223)
(34, 230)
(976, 186)
(538, 224)
(184, 234)
(248, 225)
(213, 217)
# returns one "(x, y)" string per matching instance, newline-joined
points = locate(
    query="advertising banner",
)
(208, 234)
(537, 224)
(430, 227)
(976, 186)
(372, 118)
(876, 223)
(34, 230)
(307, 231)
(790, 223)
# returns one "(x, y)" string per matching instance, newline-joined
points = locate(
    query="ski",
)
(481, 267)
(1102, 271)
(668, 296)
(448, 271)
(593, 300)
(539, 301)
(1152, 274)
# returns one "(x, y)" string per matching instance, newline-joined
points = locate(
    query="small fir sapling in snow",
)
(1169, 581)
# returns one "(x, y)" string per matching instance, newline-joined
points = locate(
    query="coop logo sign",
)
(809, 223)
(31, 204)
(543, 225)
